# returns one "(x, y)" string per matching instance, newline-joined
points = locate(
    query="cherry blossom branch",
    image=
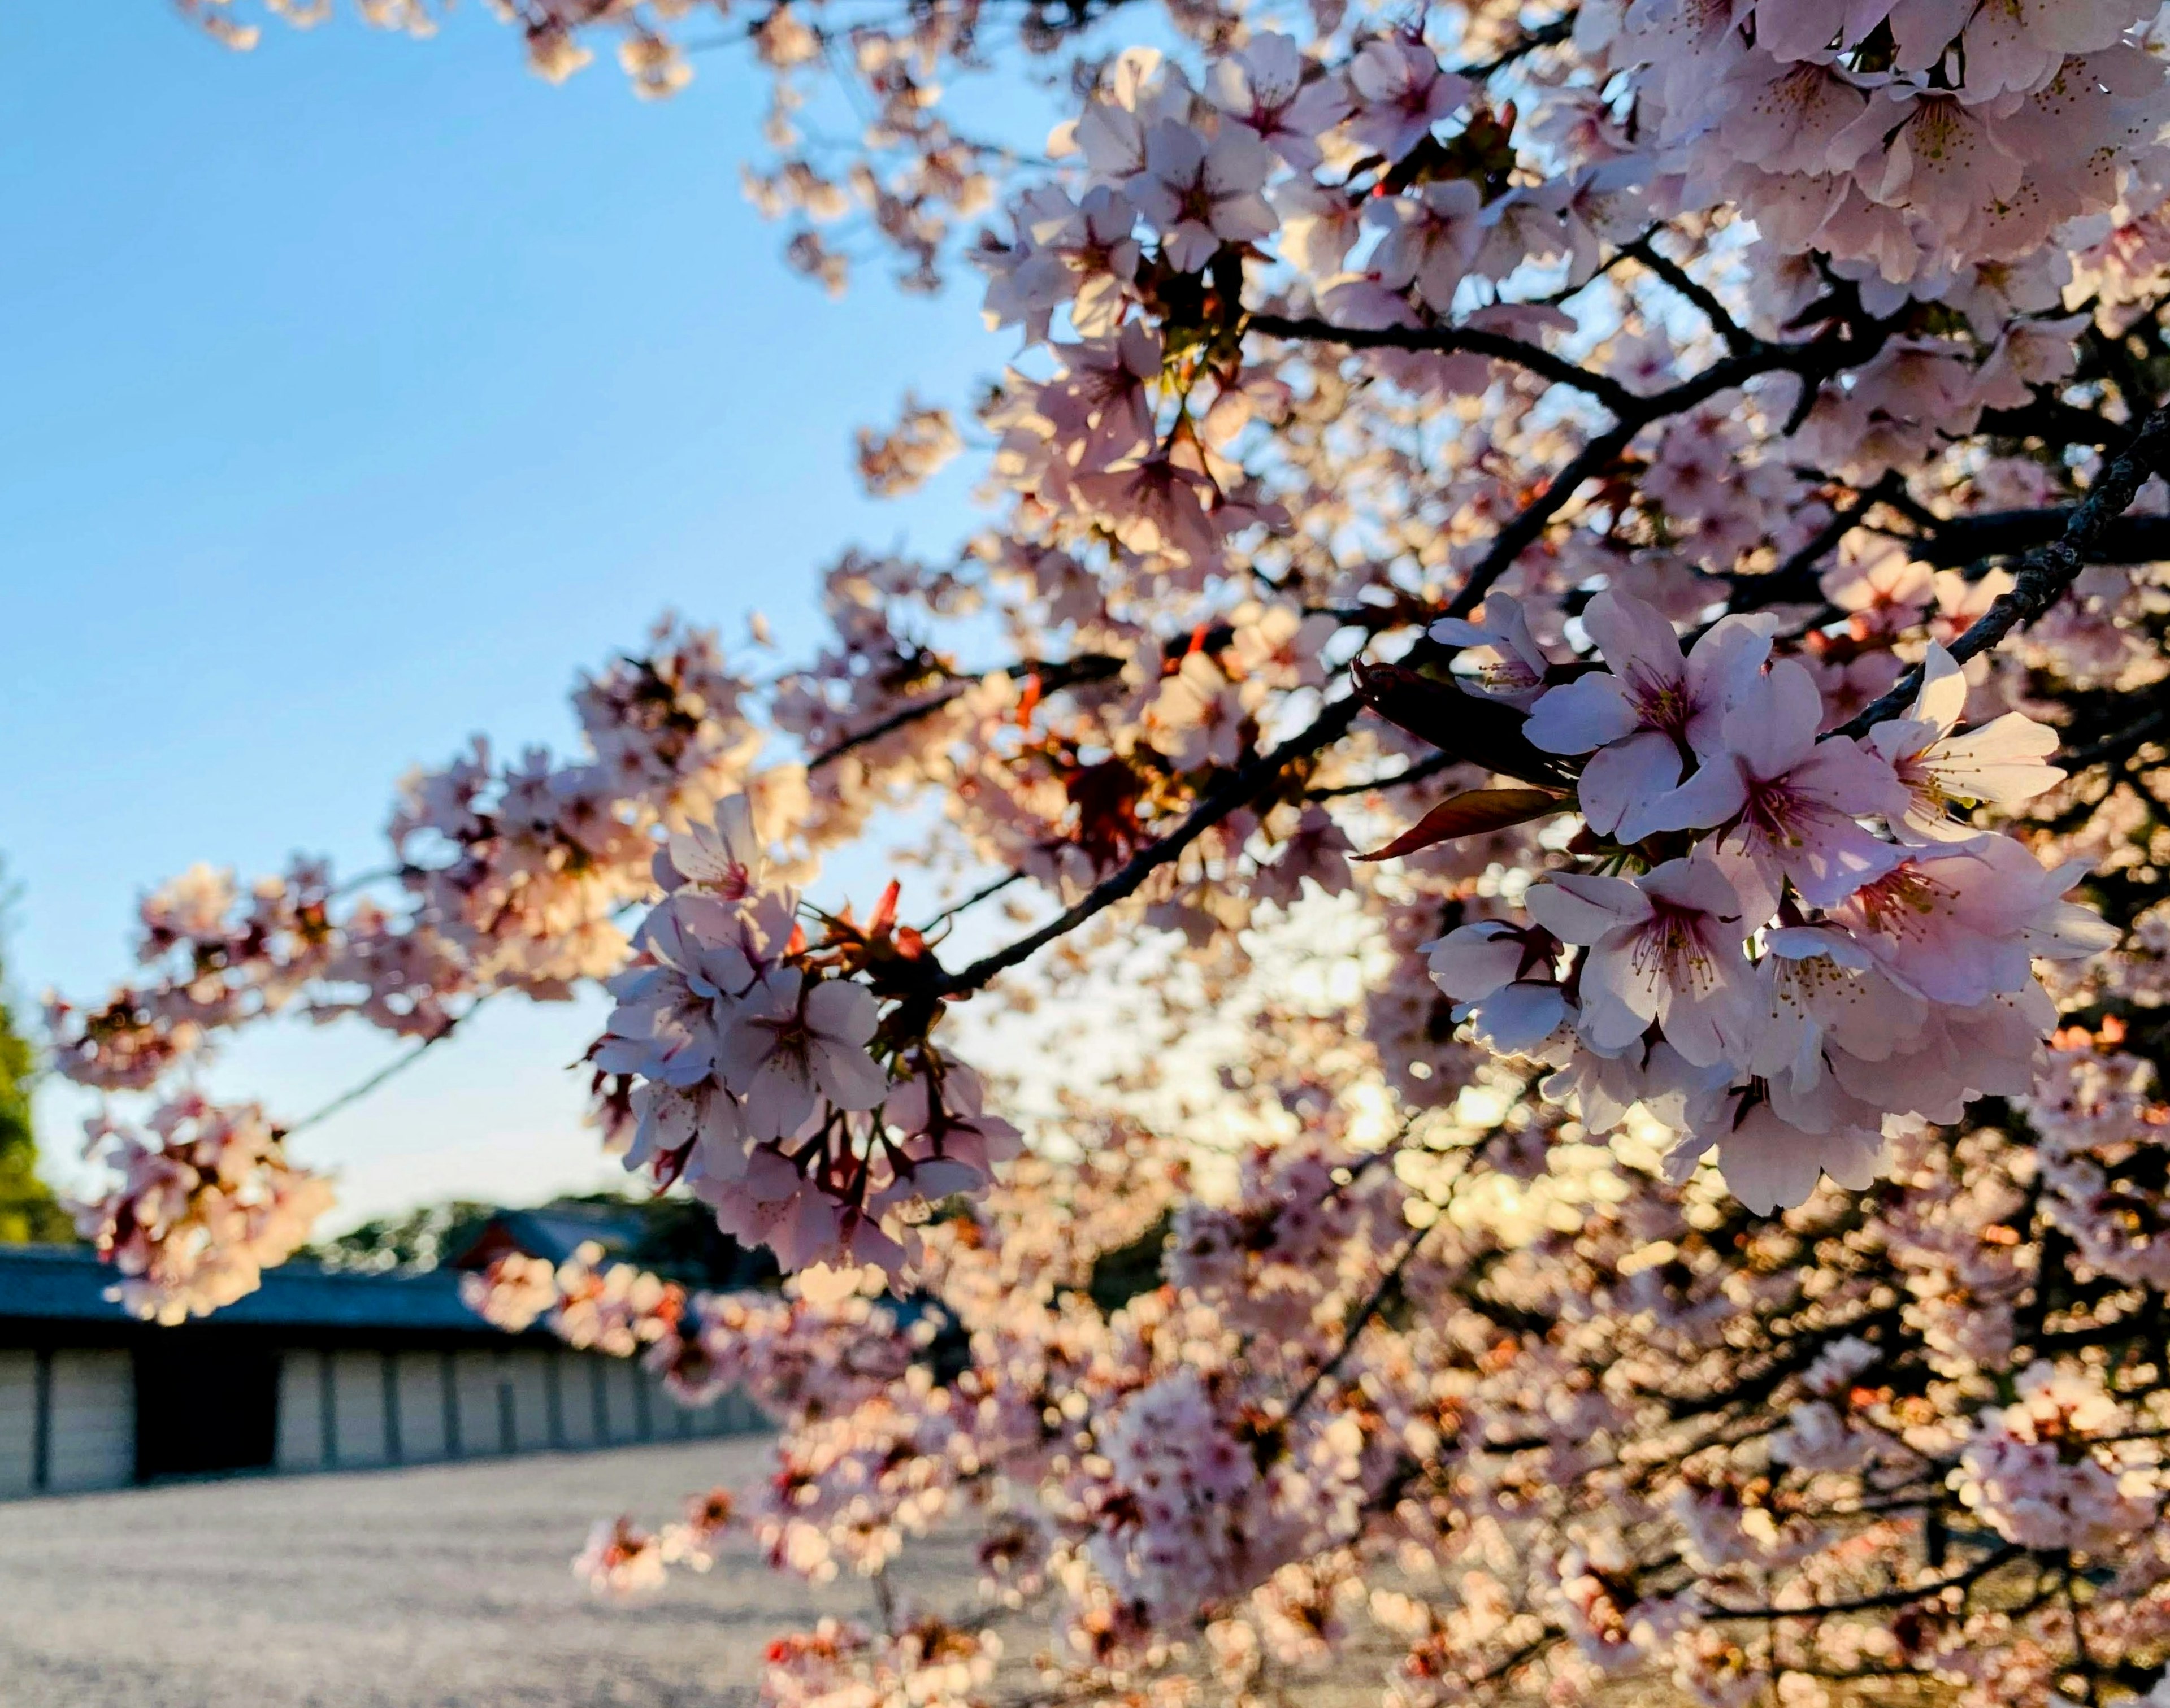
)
(984, 893)
(1071, 673)
(1543, 35)
(1815, 362)
(1354, 1330)
(1796, 578)
(2044, 574)
(1869, 1603)
(1447, 340)
(2119, 743)
(1242, 786)
(1965, 540)
(1737, 339)
(1417, 773)
(391, 1070)
(1522, 531)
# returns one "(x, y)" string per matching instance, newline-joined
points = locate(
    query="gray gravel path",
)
(445, 1587)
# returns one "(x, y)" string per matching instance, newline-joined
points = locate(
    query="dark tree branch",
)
(1237, 790)
(1417, 773)
(2046, 572)
(1071, 673)
(1814, 361)
(391, 1070)
(1737, 339)
(1354, 1330)
(1965, 540)
(1869, 1603)
(1448, 340)
(1544, 35)
(1799, 580)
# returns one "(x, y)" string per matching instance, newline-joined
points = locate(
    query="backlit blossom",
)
(1789, 804)
(1200, 194)
(1644, 708)
(1514, 666)
(1662, 948)
(788, 1043)
(1401, 91)
(2004, 763)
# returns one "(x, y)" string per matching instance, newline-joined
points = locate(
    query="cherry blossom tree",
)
(1678, 483)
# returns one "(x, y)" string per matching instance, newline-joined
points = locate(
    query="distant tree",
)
(675, 1238)
(30, 1212)
(413, 1240)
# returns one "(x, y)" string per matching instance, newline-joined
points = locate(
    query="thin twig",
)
(1737, 339)
(1070, 673)
(390, 1070)
(1354, 1330)
(1416, 773)
(974, 899)
(1543, 35)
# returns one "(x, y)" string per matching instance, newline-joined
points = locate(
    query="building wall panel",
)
(621, 1401)
(300, 1410)
(481, 1384)
(576, 1397)
(420, 1376)
(526, 1377)
(19, 1422)
(358, 1397)
(94, 1421)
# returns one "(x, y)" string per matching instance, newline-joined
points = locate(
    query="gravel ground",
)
(445, 1587)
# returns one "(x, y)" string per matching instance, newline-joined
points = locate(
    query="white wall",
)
(300, 1411)
(359, 1439)
(92, 1437)
(421, 1405)
(479, 1379)
(92, 1443)
(19, 1422)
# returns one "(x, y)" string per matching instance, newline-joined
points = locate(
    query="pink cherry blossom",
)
(1401, 91)
(787, 1044)
(1432, 236)
(1666, 948)
(1199, 193)
(2002, 764)
(1264, 89)
(1648, 708)
(1786, 804)
(1514, 666)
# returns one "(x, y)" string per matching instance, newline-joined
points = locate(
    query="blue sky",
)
(353, 393)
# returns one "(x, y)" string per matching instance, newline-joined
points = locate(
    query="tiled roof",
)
(68, 1283)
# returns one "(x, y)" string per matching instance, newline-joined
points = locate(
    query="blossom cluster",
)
(504, 878)
(927, 1664)
(203, 1200)
(757, 1076)
(1780, 977)
(617, 1308)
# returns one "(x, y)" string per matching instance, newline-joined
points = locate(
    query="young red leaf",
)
(1472, 814)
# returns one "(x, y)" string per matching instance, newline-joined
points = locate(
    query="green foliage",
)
(30, 1212)
(674, 1237)
(1118, 1276)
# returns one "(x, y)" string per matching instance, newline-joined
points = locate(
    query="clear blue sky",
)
(353, 392)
